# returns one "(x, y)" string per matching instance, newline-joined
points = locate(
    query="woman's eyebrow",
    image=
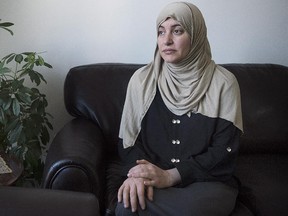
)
(173, 26)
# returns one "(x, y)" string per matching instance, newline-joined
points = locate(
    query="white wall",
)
(75, 32)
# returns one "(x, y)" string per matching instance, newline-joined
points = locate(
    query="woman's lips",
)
(168, 51)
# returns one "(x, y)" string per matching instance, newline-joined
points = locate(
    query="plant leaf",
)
(40, 61)
(6, 57)
(23, 97)
(27, 53)
(4, 70)
(10, 57)
(19, 58)
(26, 90)
(2, 116)
(6, 24)
(11, 124)
(7, 29)
(34, 106)
(6, 103)
(34, 77)
(45, 136)
(16, 84)
(41, 77)
(48, 65)
(14, 134)
(50, 126)
(15, 107)
(25, 71)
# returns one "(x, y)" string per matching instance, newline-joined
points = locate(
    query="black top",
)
(200, 147)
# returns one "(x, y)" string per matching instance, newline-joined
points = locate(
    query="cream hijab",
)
(195, 85)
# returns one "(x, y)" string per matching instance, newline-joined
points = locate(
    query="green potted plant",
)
(24, 122)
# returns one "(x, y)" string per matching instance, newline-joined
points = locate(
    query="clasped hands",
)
(141, 180)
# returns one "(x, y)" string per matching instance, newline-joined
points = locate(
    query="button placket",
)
(175, 141)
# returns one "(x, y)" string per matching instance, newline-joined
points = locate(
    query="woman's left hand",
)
(158, 177)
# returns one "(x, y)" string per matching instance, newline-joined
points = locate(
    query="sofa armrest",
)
(75, 159)
(18, 201)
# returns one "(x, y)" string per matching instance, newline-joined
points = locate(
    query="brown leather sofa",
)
(94, 95)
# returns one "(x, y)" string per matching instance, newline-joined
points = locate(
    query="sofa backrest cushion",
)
(97, 92)
(264, 97)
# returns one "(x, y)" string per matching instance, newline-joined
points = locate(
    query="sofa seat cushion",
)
(264, 179)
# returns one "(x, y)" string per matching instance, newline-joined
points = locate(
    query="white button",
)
(176, 121)
(174, 142)
(229, 149)
(175, 160)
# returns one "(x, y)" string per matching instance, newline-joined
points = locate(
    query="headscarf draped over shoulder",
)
(194, 85)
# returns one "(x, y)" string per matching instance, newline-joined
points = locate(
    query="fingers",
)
(149, 183)
(132, 193)
(120, 193)
(141, 196)
(126, 196)
(139, 175)
(153, 175)
(144, 169)
(150, 193)
(133, 198)
(142, 161)
(142, 166)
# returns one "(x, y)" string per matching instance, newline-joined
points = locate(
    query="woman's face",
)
(173, 41)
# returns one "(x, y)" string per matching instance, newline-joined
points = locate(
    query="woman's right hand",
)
(133, 191)
(154, 175)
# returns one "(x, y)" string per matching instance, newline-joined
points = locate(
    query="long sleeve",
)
(129, 155)
(217, 162)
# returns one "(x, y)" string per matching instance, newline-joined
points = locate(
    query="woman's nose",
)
(168, 39)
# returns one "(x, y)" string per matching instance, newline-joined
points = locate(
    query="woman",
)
(180, 128)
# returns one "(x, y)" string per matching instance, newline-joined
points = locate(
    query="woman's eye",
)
(160, 33)
(178, 31)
